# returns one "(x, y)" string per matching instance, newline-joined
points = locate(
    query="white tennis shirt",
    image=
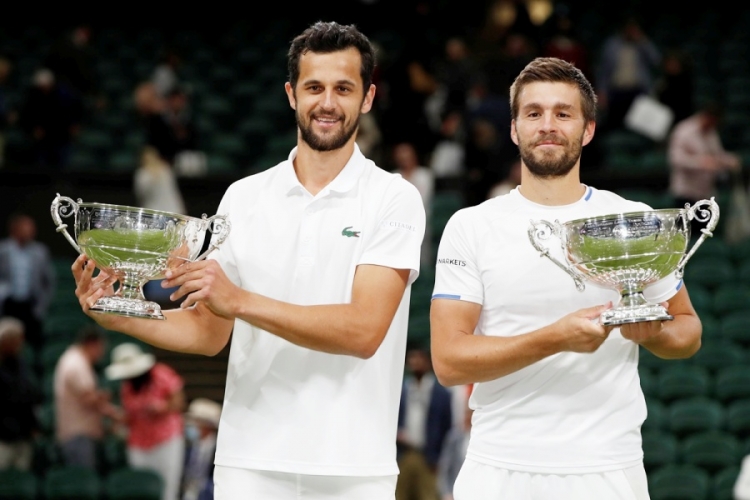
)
(570, 412)
(292, 409)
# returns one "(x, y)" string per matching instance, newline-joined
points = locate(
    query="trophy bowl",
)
(135, 245)
(627, 252)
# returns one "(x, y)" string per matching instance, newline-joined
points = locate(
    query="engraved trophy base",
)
(634, 314)
(137, 308)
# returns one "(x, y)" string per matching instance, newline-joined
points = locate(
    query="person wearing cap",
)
(153, 400)
(202, 423)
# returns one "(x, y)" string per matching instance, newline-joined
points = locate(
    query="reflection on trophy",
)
(135, 245)
(627, 252)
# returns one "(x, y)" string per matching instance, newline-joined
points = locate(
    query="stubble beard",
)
(548, 164)
(325, 143)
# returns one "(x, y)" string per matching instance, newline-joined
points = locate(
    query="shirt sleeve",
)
(397, 237)
(457, 274)
(223, 253)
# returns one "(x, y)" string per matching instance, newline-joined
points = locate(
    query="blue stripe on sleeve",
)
(446, 296)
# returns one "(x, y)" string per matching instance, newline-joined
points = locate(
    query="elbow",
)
(445, 373)
(368, 346)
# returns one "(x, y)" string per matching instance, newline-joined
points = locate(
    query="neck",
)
(316, 169)
(552, 191)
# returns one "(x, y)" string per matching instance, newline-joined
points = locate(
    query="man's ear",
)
(588, 132)
(513, 135)
(290, 95)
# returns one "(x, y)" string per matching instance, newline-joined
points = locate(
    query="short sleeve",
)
(457, 274)
(662, 290)
(223, 253)
(397, 236)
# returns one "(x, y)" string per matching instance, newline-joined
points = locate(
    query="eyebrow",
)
(557, 106)
(339, 82)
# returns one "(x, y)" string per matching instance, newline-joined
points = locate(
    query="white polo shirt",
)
(570, 412)
(292, 409)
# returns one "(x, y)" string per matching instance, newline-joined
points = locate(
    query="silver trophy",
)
(135, 245)
(627, 252)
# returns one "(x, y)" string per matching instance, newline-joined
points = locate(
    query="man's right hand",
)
(90, 288)
(581, 330)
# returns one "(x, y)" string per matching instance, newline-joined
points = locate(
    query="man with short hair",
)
(557, 400)
(313, 284)
(80, 405)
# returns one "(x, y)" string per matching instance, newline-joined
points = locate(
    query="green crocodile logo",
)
(350, 234)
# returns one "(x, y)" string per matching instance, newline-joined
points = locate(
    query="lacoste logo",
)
(349, 233)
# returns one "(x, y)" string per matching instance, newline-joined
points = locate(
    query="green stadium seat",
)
(732, 383)
(735, 326)
(659, 449)
(112, 454)
(683, 381)
(722, 483)
(709, 272)
(712, 451)
(648, 382)
(718, 354)
(731, 297)
(694, 415)
(656, 416)
(45, 455)
(647, 359)
(679, 482)
(18, 485)
(71, 483)
(738, 417)
(133, 484)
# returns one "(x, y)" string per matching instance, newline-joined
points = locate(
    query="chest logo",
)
(347, 231)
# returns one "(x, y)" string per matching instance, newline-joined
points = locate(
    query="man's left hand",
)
(203, 281)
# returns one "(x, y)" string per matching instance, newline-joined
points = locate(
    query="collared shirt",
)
(289, 408)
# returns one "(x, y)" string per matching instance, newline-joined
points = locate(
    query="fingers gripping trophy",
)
(627, 252)
(135, 245)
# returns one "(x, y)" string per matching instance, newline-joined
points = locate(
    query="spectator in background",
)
(697, 159)
(153, 400)
(27, 277)
(80, 405)
(454, 452)
(456, 74)
(425, 418)
(173, 131)
(72, 59)
(50, 115)
(563, 44)
(511, 181)
(626, 68)
(408, 164)
(447, 158)
(674, 87)
(202, 423)
(19, 397)
(165, 76)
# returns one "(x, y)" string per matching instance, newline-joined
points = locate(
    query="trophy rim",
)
(624, 215)
(129, 208)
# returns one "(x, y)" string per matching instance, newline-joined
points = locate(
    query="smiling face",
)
(329, 98)
(550, 129)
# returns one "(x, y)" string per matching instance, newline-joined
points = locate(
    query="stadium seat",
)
(686, 416)
(718, 354)
(711, 451)
(133, 484)
(112, 454)
(679, 482)
(681, 381)
(709, 273)
(735, 326)
(46, 453)
(659, 449)
(656, 416)
(71, 483)
(731, 297)
(738, 417)
(722, 483)
(732, 383)
(649, 384)
(18, 485)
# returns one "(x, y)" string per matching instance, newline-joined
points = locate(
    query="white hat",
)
(128, 361)
(204, 410)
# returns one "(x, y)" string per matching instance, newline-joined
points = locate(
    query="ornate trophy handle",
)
(710, 215)
(62, 205)
(543, 230)
(219, 226)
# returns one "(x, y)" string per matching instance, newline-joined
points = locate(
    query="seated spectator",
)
(80, 405)
(153, 401)
(202, 423)
(173, 131)
(19, 397)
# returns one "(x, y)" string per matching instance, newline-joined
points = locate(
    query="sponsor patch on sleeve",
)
(451, 262)
(399, 226)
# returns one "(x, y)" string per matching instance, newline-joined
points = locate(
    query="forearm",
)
(679, 338)
(336, 328)
(468, 359)
(195, 330)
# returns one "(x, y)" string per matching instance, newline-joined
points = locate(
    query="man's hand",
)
(641, 332)
(204, 281)
(90, 288)
(581, 330)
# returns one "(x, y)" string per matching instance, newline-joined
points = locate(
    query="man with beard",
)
(557, 401)
(313, 284)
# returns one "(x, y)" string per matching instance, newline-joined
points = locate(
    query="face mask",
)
(192, 433)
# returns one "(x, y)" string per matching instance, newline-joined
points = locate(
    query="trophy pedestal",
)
(128, 307)
(634, 314)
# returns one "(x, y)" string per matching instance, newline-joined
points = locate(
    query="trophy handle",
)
(710, 215)
(219, 226)
(62, 205)
(542, 230)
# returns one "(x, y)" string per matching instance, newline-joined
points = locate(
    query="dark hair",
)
(89, 334)
(330, 37)
(552, 69)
